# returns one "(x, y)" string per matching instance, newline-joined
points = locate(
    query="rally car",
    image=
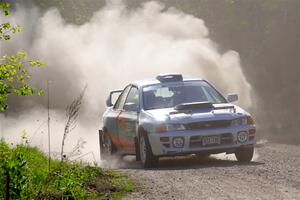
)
(171, 115)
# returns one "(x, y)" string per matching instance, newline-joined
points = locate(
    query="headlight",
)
(250, 120)
(160, 128)
(242, 136)
(239, 121)
(178, 142)
(175, 127)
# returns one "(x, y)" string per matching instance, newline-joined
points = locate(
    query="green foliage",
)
(112, 185)
(27, 168)
(70, 180)
(15, 167)
(15, 69)
(7, 28)
(4, 7)
(125, 185)
(29, 176)
(15, 77)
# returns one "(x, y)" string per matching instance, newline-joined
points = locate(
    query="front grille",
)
(196, 141)
(208, 125)
(226, 138)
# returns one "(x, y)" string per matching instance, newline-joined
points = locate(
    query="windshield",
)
(167, 96)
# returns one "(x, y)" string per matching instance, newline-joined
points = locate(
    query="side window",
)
(132, 101)
(121, 100)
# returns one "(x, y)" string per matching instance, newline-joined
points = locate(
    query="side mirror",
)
(108, 102)
(232, 97)
(109, 98)
(131, 107)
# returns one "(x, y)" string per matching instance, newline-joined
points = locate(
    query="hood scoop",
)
(193, 106)
(189, 107)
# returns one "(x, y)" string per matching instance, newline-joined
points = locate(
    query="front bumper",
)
(193, 140)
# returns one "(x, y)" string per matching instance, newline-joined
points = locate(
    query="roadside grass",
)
(112, 185)
(26, 168)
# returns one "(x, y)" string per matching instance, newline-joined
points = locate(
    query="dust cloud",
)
(116, 46)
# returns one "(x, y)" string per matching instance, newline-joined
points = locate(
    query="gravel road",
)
(274, 174)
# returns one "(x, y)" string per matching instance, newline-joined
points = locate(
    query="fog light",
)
(164, 139)
(178, 142)
(252, 132)
(242, 136)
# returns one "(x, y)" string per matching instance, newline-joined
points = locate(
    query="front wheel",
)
(146, 155)
(244, 154)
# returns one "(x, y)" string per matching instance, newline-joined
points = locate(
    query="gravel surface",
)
(274, 174)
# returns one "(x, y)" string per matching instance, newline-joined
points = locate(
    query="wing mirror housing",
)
(232, 97)
(109, 98)
(108, 102)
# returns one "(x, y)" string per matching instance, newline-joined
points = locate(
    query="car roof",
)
(146, 82)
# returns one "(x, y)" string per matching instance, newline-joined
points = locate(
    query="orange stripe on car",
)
(121, 122)
(121, 142)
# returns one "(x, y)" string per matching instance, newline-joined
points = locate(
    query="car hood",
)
(219, 112)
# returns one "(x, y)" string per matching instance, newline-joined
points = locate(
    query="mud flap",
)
(137, 149)
(101, 138)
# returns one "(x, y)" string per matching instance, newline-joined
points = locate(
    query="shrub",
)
(29, 178)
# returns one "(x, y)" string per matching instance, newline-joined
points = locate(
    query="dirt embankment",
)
(274, 174)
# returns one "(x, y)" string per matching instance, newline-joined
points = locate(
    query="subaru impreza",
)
(171, 115)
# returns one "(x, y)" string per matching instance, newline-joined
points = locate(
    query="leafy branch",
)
(14, 69)
(15, 77)
(6, 29)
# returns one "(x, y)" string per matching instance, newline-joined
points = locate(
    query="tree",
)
(15, 73)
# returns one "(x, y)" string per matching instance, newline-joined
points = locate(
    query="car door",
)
(128, 119)
(112, 118)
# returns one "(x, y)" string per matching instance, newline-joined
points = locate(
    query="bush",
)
(27, 169)
(14, 169)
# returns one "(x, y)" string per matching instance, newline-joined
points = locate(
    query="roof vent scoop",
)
(169, 78)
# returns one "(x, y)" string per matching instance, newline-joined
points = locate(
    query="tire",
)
(107, 148)
(146, 156)
(244, 154)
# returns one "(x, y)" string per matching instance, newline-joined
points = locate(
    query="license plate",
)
(211, 140)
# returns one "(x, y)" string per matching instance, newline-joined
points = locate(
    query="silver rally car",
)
(172, 115)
